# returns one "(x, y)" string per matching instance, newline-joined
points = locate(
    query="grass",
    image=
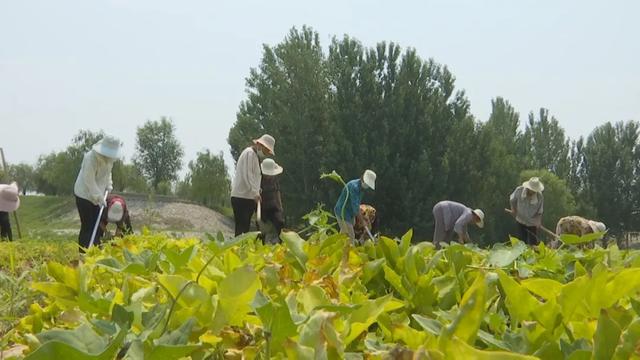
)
(21, 263)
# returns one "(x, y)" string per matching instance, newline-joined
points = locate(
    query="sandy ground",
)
(170, 215)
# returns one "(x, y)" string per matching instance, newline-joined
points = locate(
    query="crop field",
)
(150, 296)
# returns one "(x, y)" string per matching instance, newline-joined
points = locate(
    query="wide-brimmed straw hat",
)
(369, 178)
(270, 167)
(109, 146)
(267, 141)
(597, 226)
(534, 184)
(479, 213)
(9, 197)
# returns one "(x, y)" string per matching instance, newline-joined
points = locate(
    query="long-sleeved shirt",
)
(528, 211)
(246, 182)
(352, 207)
(456, 216)
(94, 177)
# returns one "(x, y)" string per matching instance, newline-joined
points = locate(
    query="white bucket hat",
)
(270, 167)
(9, 197)
(267, 141)
(597, 226)
(534, 184)
(109, 146)
(479, 213)
(369, 178)
(116, 212)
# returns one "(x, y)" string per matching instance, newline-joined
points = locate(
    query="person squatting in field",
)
(9, 202)
(116, 213)
(364, 224)
(347, 207)
(93, 180)
(245, 188)
(527, 207)
(271, 204)
(453, 217)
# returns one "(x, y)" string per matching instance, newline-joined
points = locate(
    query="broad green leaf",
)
(295, 244)
(545, 288)
(81, 343)
(432, 326)
(628, 341)
(55, 290)
(365, 316)
(458, 349)
(503, 256)
(606, 337)
(371, 269)
(466, 325)
(575, 239)
(518, 300)
(311, 297)
(64, 274)
(235, 294)
(405, 242)
(396, 281)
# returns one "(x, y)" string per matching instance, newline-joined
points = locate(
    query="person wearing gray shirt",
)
(527, 204)
(452, 217)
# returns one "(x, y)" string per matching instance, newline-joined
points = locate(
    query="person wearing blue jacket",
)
(347, 208)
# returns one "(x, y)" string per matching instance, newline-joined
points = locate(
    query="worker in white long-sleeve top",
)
(527, 206)
(93, 180)
(452, 217)
(245, 189)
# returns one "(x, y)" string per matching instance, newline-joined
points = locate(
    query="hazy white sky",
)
(69, 65)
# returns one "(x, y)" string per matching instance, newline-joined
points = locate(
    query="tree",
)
(500, 167)
(158, 152)
(558, 200)
(611, 163)
(208, 181)
(24, 175)
(545, 146)
(127, 177)
(360, 108)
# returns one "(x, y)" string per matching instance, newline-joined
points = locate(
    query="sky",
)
(112, 65)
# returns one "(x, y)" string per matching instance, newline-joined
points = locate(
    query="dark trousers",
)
(528, 234)
(5, 226)
(274, 216)
(243, 210)
(88, 216)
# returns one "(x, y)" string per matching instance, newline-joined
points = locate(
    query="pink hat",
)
(9, 199)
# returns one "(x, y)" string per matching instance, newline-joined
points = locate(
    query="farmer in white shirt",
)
(245, 189)
(452, 217)
(93, 180)
(527, 207)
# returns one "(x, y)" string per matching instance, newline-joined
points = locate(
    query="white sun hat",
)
(116, 212)
(534, 184)
(369, 178)
(109, 146)
(9, 197)
(267, 141)
(597, 226)
(270, 167)
(479, 213)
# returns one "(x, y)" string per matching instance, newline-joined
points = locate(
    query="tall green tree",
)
(208, 180)
(287, 98)
(128, 178)
(24, 175)
(500, 167)
(158, 152)
(611, 162)
(545, 145)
